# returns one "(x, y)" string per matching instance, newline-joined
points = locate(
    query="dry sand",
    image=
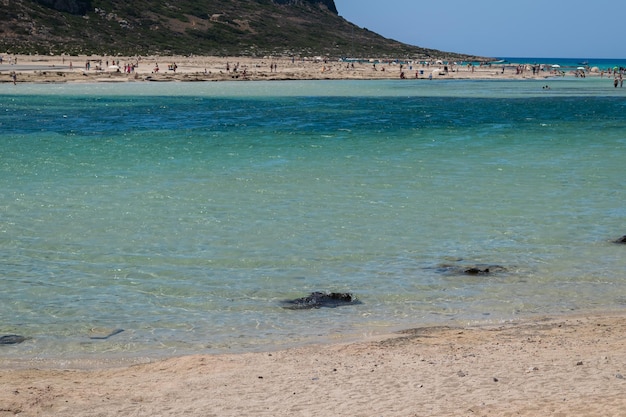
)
(201, 68)
(570, 366)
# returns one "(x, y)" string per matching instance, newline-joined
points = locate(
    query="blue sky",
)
(498, 28)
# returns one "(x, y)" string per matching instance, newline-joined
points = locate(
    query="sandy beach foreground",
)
(549, 367)
(59, 69)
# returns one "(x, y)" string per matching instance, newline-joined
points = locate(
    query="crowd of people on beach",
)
(307, 68)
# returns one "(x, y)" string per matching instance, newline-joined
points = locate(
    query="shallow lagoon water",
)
(184, 213)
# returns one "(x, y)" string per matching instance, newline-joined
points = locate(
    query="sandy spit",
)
(61, 69)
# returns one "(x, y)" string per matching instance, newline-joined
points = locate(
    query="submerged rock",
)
(103, 334)
(321, 299)
(11, 339)
(485, 270)
(471, 269)
(621, 239)
(477, 271)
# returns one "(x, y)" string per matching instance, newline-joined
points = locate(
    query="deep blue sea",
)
(184, 213)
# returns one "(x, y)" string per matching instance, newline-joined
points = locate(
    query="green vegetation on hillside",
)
(201, 27)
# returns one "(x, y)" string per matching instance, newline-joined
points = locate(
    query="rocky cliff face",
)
(330, 4)
(81, 7)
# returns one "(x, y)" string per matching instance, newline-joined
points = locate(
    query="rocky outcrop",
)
(11, 339)
(321, 299)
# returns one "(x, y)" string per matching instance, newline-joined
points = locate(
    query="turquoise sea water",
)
(184, 213)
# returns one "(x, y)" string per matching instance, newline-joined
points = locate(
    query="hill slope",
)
(201, 27)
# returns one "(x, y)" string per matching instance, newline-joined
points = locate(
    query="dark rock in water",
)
(477, 271)
(484, 270)
(621, 239)
(321, 299)
(471, 270)
(11, 339)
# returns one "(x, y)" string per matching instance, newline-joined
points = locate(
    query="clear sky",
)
(498, 28)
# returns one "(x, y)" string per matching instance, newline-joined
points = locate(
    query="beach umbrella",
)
(556, 66)
(114, 67)
(581, 68)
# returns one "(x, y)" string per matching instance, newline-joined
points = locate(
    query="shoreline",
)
(111, 359)
(543, 366)
(64, 69)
